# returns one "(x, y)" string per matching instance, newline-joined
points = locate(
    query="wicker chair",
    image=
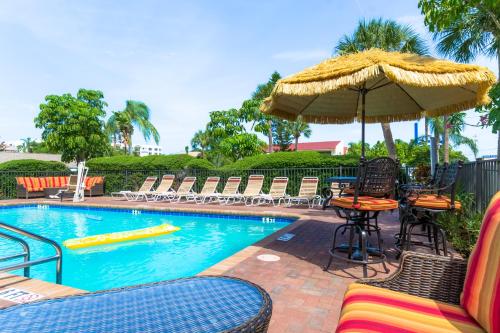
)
(375, 185)
(424, 205)
(431, 293)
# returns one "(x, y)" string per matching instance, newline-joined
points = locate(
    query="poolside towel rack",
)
(26, 254)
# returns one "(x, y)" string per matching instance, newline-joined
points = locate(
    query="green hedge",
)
(17, 168)
(302, 159)
(153, 162)
(32, 165)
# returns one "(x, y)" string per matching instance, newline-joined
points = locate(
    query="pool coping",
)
(218, 268)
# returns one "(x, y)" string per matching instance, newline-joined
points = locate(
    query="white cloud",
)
(302, 55)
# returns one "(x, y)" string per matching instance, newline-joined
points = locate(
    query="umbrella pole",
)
(363, 91)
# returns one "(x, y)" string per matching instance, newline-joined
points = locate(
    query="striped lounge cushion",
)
(371, 309)
(92, 181)
(32, 184)
(434, 201)
(481, 294)
(365, 203)
(57, 181)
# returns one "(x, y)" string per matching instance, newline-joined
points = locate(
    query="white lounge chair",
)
(230, 189)
(208, 189)
(163, 190)
(307, 193)
(185, 189)
(253, 188)
(146, 188)
(276, 195)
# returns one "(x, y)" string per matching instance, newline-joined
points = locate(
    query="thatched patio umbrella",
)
(377, 86)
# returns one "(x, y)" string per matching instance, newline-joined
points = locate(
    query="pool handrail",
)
(27, 262)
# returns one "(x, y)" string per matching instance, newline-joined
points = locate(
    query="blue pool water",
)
(202, 241)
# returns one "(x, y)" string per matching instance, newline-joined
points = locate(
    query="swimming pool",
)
(202, 241)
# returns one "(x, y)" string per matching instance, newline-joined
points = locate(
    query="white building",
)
(146, 150)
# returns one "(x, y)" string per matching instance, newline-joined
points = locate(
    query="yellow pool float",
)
(121, 236)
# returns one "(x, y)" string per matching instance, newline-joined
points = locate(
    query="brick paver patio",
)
(305, 298)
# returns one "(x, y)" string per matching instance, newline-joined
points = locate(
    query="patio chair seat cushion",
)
(434, 201)
(370, 309)
(481, 293)
(57, 181)
(365, 203)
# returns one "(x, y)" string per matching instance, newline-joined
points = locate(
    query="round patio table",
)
(198, 304)
(328, 193)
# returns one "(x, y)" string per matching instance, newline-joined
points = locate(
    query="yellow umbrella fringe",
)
(348, 64)
(394, 74)
(450, 109)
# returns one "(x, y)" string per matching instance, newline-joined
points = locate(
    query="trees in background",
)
(465, 30)
(74, 126)
(227, 137)
(26, 146)
(408, 153)
(299, 128)
(450, 128)
(387, 35)
(121, 124)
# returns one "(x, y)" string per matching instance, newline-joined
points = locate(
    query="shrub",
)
(153, 162)
(462, 227)
(301, 159)
(17, 168)
(32, 165)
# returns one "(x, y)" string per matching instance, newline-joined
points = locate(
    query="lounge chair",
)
(131, 195)
(184, 191)
(199, 304)
(164, 189)
(276, 195)
(253, 188)
(208, 189)
(230, 189)
(307, 193)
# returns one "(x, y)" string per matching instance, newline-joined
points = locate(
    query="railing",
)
(481, 178)
(26, 255)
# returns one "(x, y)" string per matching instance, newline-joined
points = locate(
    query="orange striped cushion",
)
(434, 201)
(481, 294)
(365, 203)
(31, 184)
(368, 309)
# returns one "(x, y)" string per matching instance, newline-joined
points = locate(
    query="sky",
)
(182, 58)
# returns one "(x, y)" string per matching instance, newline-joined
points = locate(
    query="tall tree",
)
(250, 109)
(201, 141)
(299, 128)
(74, 126)
(135, 115)
(465, 30)
(27, 145)
(282, 136)
(387, 35)
(450, 129)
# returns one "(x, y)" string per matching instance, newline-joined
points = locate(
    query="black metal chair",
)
(424, 205)
(375, 185)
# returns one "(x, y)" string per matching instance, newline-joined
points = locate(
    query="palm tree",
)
(298, 128)
(476, 33)
(122, 124)
(387, 35)
(450, 129)
(249, 110)
(27, 145)
(201, 141)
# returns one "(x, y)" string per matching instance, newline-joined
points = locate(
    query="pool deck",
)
(305, 298)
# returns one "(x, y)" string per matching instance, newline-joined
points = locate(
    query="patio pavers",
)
(305, 298)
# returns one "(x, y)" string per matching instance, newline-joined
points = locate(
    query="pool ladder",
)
(26, 254)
